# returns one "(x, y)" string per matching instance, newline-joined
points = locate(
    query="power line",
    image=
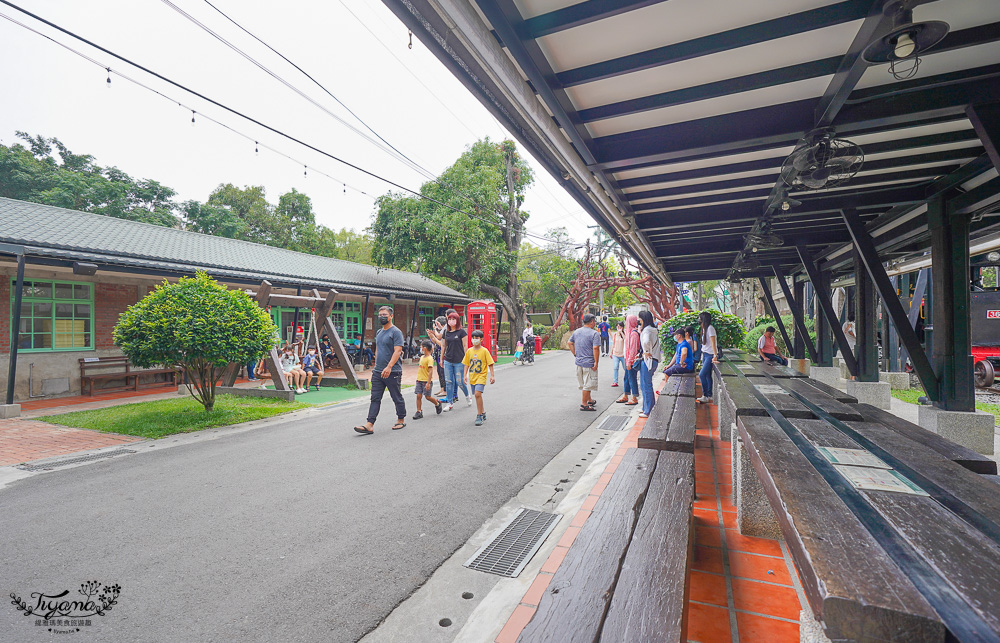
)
(255, 121)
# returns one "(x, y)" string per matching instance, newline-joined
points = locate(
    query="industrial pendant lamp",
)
(902, 45)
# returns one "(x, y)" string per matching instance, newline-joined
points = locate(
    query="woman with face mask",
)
(651, 357)
(454, 353)
(436, 335)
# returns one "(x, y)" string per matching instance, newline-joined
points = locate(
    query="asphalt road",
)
(297, 531)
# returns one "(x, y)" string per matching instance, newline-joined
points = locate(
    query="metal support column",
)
(364, 321)
(413, 324)
(889, 339)
(952, 351)
(822, 283)
(16, 326)
(774, 311)
(799, 341)
(295, 318)
(824, 338)
(866, 348)
(873, 266)
(796, 306)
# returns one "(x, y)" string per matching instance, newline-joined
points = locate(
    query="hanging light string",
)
(246, 117)
(395, 152)
(257, 144)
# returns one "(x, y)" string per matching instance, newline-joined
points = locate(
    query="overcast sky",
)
(405, 94)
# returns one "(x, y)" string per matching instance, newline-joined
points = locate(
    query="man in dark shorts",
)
(387, 373)
(605, 329)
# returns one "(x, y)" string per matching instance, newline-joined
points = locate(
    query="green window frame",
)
(346, 316)
(425, 319)
(56, 316)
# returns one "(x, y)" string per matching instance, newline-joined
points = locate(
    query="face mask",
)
(287, 354)
(312, 352)
(452, 323)
(477, 341)
(382, 319)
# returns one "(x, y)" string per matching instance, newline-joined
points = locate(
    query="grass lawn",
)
(329, 395)
(160, 418)
(911, 395)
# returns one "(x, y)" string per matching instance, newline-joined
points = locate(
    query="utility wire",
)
(259, 123)
(396, 153)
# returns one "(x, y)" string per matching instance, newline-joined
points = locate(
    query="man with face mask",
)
(387, 372)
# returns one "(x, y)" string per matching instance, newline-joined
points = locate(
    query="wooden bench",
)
(857, 583)
(671, 425)
(958, 454)
(833, 392)
(682, 384)
(124, 372)
(626, 576)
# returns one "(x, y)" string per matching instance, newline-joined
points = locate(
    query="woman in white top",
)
(709, 355)
(649, 339)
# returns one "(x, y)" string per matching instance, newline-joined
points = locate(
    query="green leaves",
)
(728, 327)
(197, 325)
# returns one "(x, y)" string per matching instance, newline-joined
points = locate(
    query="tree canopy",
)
(44, 170)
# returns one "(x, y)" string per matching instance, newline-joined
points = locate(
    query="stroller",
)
(525, 353)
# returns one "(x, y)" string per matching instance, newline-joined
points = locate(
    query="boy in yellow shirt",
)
(424, 381)
(476, 361)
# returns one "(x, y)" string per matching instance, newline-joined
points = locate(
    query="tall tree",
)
(477, 252)
(34, 173)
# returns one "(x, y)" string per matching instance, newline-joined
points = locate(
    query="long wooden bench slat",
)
(838, 410)
(679, 385)
(964, 456)
(576, 601)
(653, 587)
(671, 425)
(833, 392)
(744, 402)
(776, 370)
(654, 432)
(851, 583)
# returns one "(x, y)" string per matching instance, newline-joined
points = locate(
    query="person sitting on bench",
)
(683, 361)
(767, 348)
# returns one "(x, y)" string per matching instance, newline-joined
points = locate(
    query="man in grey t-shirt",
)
(387, 372)
(586, 346)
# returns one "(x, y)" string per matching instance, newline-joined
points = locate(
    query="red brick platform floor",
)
(27, 440)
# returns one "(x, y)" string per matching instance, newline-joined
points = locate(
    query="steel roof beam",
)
(775, 162)
(980, 35)
(577, 15)
(733, 39)
(785, 123)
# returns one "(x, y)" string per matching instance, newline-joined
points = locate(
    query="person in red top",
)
(767, 348)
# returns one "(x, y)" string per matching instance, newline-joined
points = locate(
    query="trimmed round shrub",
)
(753, 335)
(728, 327)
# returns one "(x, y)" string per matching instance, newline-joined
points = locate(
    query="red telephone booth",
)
(482, 315)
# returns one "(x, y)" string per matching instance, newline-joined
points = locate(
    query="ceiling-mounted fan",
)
(821, 160)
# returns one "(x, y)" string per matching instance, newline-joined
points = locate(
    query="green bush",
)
(728, 327)
(196, 325)
(555, 338)
(753, 336)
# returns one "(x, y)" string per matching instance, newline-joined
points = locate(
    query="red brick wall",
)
(4, 313)
(110, 301)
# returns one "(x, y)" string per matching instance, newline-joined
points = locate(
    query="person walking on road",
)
(618, 350)
(651, 358)
(586, 346)
(437, 337)
(709, 355)
(632, 358)
(605, 330)
(454, 353)
(387, 373)
(425, 380)
(477, 360)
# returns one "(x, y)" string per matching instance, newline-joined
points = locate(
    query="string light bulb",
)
(410, 46)
(192, 118)
(255, 149)
(305, 173)
(345, 188)
(109, 78)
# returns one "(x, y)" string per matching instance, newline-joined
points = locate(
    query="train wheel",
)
(984, 374)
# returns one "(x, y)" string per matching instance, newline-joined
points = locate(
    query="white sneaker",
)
(300, 391)
(704, 400)
(447, 407)
(468, 401)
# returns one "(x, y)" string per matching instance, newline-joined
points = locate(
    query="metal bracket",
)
(826, 303)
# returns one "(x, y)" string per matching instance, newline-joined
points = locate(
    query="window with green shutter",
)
(55, 316)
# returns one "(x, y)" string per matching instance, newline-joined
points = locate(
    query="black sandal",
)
(398, 425)
(364, 430)
(586, 407)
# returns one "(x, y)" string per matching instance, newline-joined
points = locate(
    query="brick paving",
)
(24, 440)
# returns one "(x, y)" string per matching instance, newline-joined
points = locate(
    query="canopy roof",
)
(669, 120)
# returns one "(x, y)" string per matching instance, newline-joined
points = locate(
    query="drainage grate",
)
(614, 423)
(515, 544)
(48, 466)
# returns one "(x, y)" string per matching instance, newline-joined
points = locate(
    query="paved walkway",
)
(741, 588)
(299, 530)
(27, 440)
